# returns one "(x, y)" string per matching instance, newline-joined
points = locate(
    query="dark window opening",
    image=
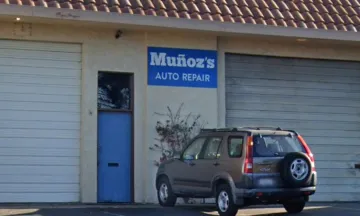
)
(114, 91)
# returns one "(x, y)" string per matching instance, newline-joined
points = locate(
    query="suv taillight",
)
(308, 152)
(248, 165)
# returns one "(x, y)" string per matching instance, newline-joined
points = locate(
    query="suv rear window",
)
(276, 145)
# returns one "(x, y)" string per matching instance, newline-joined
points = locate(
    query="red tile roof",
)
(341, 15)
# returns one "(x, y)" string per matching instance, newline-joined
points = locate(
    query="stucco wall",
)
(102, 52)
(197, 101)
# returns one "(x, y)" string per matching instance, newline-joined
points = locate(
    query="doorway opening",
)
(115, 137)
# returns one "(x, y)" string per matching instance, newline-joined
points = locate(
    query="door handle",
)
(216, 163)
(113, 164)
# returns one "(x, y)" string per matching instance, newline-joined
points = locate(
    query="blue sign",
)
(182, 67)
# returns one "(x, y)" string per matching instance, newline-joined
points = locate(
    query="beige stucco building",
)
(49, 119)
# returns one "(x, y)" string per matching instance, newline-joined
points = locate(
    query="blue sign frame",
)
(182, 67)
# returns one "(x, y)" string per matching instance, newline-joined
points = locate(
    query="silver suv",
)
(241, 167)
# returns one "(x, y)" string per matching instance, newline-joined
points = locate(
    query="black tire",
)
(294, 207)
(232, 209)
(170, 200)
(285, 172)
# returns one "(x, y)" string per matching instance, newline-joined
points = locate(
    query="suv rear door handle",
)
(263, 163)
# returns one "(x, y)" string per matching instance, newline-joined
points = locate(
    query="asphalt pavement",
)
(326, 209)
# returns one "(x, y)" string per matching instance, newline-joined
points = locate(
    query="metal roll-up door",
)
(40, 87)
(318, 98)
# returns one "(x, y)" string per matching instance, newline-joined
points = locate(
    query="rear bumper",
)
(271, 195)
(276, 193)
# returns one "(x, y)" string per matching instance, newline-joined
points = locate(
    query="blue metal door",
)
(114, 157)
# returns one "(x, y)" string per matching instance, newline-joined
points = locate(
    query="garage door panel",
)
(39, 188)
(292, 92)
(339, 148)
(54, 72)
(291, 124)
(319, 99)
(348, 157)
(338, 181)
(271, 60)
(40, 160)
(39, 63)
(334, 164)
(17, 142)
(339, 189)
(7, 124)
(307, 70)
(38, 179)
(40, 170)
(293, 115)
(38, 116)
(63, 154)
(35, 89)
(40, 46)
(40, 106)
(286, 75)
(291, 107)
(39, 197)
(338, 173)
(288, 69)
(312, 100)
(39, 80)
(286, 84)
(232, 59)
(335, 197)
(291, 73)
(40, 133)
(40, 55)
(333, 142)
(330, 133)
(40, 96)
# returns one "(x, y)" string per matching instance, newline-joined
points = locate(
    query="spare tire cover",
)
(296, 169)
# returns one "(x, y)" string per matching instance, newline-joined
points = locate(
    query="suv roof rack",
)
(292, 131)
(219, 129)
(234, 129)
(262, 128)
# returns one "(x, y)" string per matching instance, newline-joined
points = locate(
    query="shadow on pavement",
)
(278, 210)
(52, 212)
(314, 210)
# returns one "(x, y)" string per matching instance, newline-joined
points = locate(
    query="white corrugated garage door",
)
(318, 98)
(39, 121)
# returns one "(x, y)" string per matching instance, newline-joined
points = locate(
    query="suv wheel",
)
(224, 201)
(294, 207)
(165, 194)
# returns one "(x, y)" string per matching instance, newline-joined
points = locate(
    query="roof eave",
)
(175, 23)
